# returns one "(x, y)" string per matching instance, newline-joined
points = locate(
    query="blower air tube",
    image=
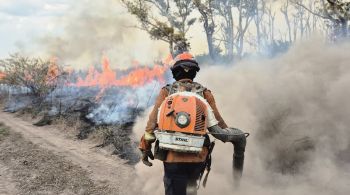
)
(239, 140)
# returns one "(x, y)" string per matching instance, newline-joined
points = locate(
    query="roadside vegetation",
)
(37, 89)
(4, 131)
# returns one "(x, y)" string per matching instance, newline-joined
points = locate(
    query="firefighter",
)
(182, 170)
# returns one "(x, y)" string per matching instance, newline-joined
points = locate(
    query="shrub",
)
(40, 76)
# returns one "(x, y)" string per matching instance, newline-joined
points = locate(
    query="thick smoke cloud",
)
(90, 29)
(295, 107)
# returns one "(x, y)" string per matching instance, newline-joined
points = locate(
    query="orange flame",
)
(53, 71)
(139, 76)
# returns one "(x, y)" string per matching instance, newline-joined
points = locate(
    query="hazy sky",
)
(86, 30)
(23, 20)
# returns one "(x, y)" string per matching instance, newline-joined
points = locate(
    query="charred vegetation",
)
(89, 108)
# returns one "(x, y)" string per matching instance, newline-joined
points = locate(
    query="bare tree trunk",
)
(301, 23)
(171, 48)
(210, 42)
(229, 35)
(272, 16)
(295, 29)
(285, 12)
(209, 26)
(258, 35)
(240, 32)
(209, 31)
(307, 26)
(224, 9)
(258, 20)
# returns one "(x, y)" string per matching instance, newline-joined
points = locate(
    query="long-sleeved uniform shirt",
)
(152, 125)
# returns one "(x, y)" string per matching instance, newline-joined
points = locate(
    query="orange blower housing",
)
(183, 113)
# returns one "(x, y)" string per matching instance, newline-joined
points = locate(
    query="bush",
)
(40, 76)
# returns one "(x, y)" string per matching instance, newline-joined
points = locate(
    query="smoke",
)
(295, 107)
(86, 31)
(90, 29)
(123, 105)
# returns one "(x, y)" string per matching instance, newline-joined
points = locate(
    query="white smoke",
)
(296, 109)
(90, 29)
(123, 105)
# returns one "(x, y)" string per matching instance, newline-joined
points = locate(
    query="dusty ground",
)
(43, 160)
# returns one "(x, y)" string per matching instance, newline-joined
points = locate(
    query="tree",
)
(339, 13)
(246, 12)
(335, 11)
(234, 36)
(285, 11)
(206, 10)
(40, 76)
(271, 23)
(224, 9)
(170, 24)
(258, 19)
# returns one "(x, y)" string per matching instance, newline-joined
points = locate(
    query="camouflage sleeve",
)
(210, 98)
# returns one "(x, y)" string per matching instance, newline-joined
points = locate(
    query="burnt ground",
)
(35, 160)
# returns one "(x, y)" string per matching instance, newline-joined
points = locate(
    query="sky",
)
(21, 21)
(81, 31)
(78, 32)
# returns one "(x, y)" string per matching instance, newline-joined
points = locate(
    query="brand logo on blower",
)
(181, 139)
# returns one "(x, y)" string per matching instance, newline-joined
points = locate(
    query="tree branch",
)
(312, 12)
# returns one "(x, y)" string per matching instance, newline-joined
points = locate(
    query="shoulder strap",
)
(207, 165)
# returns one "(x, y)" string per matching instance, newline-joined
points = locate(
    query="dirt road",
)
(95, 164)
(7, 185)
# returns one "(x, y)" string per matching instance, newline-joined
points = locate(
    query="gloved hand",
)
(145, 147)
(145, 155)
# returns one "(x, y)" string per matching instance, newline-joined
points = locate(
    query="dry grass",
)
(69, 127)
(3, 98)
(99, 134)
(4, 131)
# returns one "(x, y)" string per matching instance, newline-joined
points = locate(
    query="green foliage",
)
(161, 31)
(338, 10)
(171, 23)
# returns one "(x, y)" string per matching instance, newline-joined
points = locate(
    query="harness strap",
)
(207, 166)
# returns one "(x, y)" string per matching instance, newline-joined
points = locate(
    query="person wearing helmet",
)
(183, 169)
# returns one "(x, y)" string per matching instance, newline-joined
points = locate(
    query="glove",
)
(145, 147)
(145, 155)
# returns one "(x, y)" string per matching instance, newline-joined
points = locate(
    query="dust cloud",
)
(295, 107)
